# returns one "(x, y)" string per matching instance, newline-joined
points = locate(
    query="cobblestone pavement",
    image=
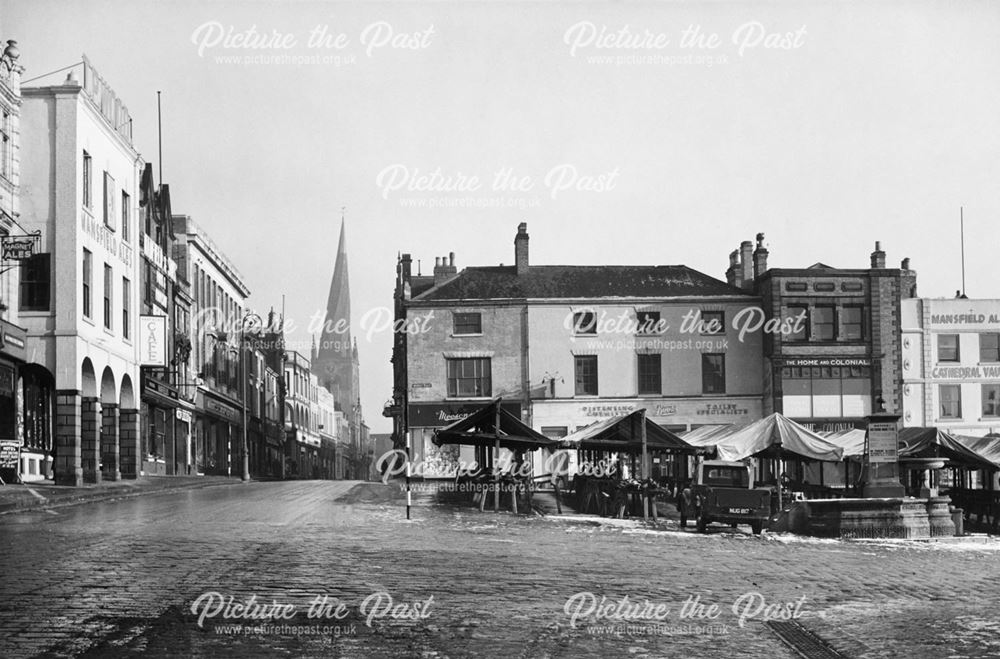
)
(119, 578)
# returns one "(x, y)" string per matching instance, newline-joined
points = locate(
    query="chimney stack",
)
(443, 269)
(905, 264)
(878, 256)
(746, 264)
(733, 273)
(759, 257)
(521, 248)
(406, 263)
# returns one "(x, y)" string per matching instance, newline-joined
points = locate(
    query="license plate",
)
(740, 511)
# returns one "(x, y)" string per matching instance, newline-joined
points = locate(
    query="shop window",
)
(991, 400)
(584, 322)
(824, 323)
(7, 414)
(713, 322)
(989, 347)
(852, 325)
(713, 373)
(468, 323)
(586, 375)
(649, 372)
(950, 399)
(948, 348)
(36, 283)
(798, 317)
(826, 391)
(469, 377)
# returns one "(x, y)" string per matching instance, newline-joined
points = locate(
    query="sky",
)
(644, 133)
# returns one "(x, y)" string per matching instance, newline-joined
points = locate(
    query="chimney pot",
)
(905, 265)
(451, 258)
(759, 257)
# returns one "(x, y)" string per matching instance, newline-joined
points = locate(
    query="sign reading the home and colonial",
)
(152, 340)
(828, 361)
(439, 415)
(882, 442)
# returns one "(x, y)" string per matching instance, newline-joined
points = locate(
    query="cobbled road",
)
(120, 578)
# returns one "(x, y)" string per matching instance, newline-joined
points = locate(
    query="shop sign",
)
(882, 442)
(153, 341)
(827, 361)
(20, 248)
(12, 340)
(965, 372)
(184, 415)
(722, 409)
(608, 410)
(438, 415)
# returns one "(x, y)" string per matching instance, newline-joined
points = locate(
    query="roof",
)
(773, 436)
(624, 433)
(580, 281)
(480, 429)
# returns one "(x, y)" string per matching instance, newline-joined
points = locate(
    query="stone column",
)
(68, 470)
(90, 431)
(109, 443)
(128, 442)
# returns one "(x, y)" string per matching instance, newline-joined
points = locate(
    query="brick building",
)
(835, 346)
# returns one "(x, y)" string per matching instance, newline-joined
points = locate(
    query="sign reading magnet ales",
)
(153, 341)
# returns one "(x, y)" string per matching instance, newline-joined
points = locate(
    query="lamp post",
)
(249, 317)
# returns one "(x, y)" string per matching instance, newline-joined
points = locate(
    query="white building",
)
(79, 187)
(951, 364)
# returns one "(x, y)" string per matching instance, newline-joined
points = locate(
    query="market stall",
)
(615, 463)
(491, 429)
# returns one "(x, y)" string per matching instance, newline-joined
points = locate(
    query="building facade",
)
(831, 336)
(565, 346)
(80, 183)
(951, 364)
(218, 296)
(301, 427)
(25, 403)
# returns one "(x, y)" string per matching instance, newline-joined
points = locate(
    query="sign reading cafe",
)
(153, 341)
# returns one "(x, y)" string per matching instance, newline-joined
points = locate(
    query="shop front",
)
(825, 394)
(557, 418)
(26, 399)
(218, 439)
(158, 412)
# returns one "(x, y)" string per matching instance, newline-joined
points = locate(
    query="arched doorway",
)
(110, 414)
(36, 401)
(90, 423)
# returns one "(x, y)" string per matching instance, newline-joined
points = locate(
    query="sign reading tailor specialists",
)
(882, 442)
(153, 341)
(439, 415)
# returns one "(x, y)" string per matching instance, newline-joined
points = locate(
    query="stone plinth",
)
(873, 518)
(90, 439)
(67, 467)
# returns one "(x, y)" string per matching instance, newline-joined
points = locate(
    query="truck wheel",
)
(701, 524)
(756, 526)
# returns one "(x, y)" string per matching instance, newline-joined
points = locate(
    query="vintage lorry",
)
(724, 492)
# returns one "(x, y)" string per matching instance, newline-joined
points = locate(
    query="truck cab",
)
(724, 492)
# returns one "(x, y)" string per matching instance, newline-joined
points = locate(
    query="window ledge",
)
(459, 336)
